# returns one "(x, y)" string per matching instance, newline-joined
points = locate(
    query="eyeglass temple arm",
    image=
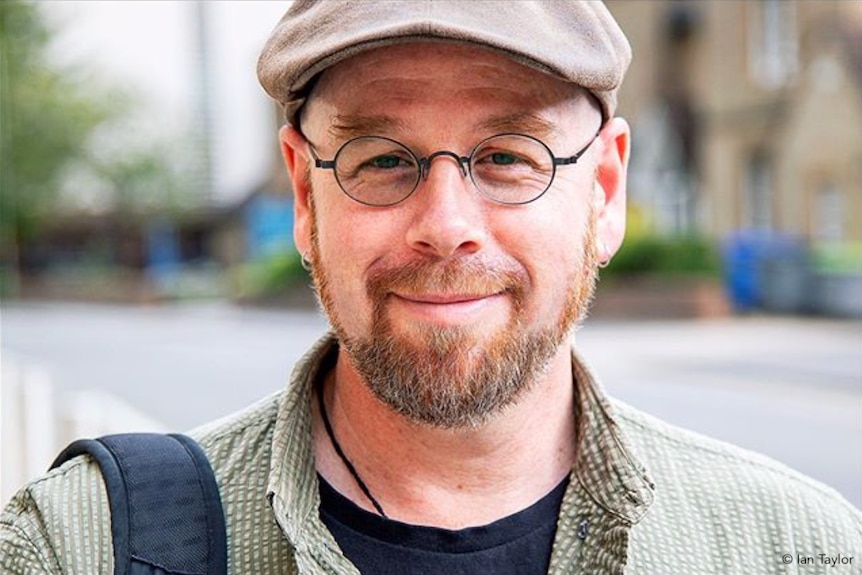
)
(318, 163)
(574, 159)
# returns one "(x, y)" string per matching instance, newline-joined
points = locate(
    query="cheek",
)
(550, 244)
(348, 243)
(341, 257)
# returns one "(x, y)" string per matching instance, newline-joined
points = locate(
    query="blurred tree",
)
(63, 134)
(145, 177)
(45, 120)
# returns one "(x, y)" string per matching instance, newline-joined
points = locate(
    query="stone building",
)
(746, 115)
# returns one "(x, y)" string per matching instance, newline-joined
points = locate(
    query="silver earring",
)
(306, 265)
(606, 257)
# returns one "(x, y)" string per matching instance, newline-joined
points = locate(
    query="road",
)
(790, 388)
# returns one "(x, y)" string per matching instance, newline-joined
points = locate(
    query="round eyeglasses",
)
(507, 168)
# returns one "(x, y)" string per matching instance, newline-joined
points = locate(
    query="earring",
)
(306, 264)
(606, 257)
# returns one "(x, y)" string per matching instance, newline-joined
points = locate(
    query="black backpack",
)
(166, 512)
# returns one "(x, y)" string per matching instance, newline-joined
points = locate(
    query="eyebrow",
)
(348, 126)
(521, 122)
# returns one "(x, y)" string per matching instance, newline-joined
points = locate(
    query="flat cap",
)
(577, 41)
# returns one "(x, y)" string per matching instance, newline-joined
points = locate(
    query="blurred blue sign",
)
(269, 226)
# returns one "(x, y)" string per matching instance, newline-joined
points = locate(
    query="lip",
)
(446, 308)
(443, 299)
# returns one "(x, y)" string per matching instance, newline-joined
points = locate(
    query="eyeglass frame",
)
(425, 165)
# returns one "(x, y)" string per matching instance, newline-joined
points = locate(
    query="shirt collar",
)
(605, 467)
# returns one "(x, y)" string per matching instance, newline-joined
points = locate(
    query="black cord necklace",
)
(340, 453)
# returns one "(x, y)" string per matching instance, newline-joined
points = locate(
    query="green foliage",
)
(64, 132)
(837, 258)
(45, 119)
(654, 255)
(272, 276)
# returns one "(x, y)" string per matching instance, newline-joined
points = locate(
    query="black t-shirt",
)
(519, 544)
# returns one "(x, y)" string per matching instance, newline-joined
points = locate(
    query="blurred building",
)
(746, 115)
(212, 197)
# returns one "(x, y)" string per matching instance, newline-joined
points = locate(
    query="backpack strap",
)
(166, 512)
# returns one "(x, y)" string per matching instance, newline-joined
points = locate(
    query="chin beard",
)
(448, 380)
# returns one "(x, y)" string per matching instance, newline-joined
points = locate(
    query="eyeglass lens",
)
(509, 168)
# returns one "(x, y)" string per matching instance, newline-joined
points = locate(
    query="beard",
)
(450, 376)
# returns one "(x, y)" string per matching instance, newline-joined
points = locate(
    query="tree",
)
(53, 126)
(45, 120)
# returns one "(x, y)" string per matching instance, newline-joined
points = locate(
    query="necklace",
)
(340, 453)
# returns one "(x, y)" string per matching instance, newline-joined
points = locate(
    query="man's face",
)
(450, 305)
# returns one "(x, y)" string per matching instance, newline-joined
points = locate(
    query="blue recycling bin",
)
(766, 270)
(741, 256)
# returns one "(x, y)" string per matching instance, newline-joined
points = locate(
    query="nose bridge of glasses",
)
(425, 163)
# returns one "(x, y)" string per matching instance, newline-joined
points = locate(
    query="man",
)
(459, 175)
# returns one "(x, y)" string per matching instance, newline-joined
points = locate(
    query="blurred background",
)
(148, 278)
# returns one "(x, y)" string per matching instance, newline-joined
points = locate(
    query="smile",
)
(446, 308)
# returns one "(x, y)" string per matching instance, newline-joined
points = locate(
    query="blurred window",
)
(773, 48)
(757, 189)
(829, 213)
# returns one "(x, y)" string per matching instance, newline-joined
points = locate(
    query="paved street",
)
(788, 387)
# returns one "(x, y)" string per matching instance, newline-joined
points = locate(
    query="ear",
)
(294, 149)
(610, 192)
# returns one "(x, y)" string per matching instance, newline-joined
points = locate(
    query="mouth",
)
(446, 308)
(442, 299)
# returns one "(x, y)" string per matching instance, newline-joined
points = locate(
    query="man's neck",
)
(450, 478)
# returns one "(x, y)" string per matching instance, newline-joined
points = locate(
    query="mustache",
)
(466, 275)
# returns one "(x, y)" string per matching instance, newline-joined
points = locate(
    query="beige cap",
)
(575, 40)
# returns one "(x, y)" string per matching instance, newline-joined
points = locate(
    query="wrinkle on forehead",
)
(379, 92)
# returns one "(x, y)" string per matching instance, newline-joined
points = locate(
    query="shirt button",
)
(583, 529)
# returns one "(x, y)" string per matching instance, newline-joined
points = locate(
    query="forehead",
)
(385, 90)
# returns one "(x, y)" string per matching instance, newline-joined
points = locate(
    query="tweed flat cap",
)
(577, 41)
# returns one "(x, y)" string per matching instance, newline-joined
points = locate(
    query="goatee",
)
(449, 376)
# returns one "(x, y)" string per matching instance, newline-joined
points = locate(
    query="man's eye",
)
(386, 162)
(503, 159)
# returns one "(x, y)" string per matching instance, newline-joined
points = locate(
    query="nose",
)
(449, 216)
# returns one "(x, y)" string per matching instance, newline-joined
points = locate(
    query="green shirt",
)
(644, 498)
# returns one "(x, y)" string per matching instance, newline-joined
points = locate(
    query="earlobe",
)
(294, 152)
(611, 176)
